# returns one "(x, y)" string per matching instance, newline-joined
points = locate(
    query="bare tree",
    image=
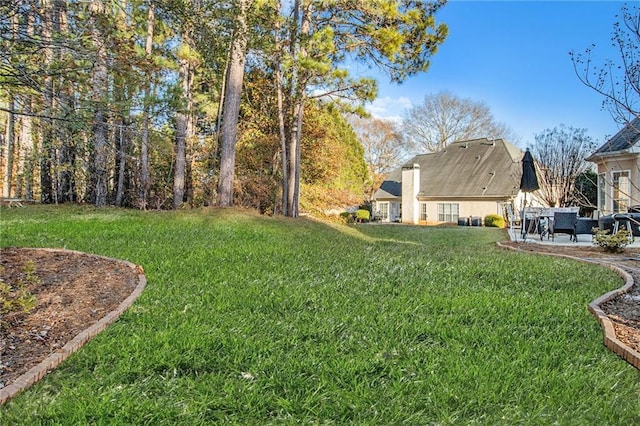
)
(444, 118)
(618, 81)
(561, 153)
(384, 147)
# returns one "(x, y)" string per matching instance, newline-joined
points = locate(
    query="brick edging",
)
(610, 339)
(53, 360)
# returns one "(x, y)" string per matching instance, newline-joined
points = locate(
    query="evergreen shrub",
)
(347, 217)
(611, 243)
(363, 215)
(494, 220)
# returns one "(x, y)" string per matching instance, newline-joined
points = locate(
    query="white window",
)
(423, 211)
(448, 212)
(602, 192)
(621, 191)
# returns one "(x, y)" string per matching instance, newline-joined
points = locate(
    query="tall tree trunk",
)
(47, 193)
(67, 186)
(281, 112)
(10, 140)
(298, 118)
(145, 183)
(290, 144)
(291, 172)
(180, 163)
(182, 126)
(221, 100)
(65, 176)
(232, 97)
(99, 183)
(28, 151)
(121, 157)
(9, 148)
(302, 17)
(188, 160)
(122, 132)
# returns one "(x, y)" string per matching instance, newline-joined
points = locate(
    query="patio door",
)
(383, 211)
(394, 214)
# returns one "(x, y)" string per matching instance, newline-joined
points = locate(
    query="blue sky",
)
(514, 57)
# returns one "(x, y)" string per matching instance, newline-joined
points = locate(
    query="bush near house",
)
(494, 220)
(347, 217)
(611, 243)
(362, 215)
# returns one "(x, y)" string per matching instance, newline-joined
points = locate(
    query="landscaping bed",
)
(73, 291)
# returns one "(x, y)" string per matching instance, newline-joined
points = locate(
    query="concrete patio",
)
(560, 239)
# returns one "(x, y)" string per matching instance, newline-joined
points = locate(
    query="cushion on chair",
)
(585, 225)
(564, 223)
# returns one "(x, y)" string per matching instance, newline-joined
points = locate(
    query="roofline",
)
(602, 155)
(466, 198)
(635, 124)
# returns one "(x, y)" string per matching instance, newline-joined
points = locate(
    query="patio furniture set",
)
(549, 222)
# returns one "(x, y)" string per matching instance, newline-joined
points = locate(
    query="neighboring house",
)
(618, 162)
(466, 179)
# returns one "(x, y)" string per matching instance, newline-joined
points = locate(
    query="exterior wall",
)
(466, 209)
(410, 189)
(606, 168)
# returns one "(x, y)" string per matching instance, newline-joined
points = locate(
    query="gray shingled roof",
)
(622, 141)
(479, 168)
(392, 185)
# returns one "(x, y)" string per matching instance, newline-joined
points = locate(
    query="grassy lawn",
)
(256, 320)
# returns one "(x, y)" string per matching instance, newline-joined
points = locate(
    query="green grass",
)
(255, 320)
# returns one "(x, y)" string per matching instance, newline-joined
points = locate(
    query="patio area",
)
(571, 229)
(584, 240)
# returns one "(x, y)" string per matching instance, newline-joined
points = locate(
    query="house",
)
(466, 179)
(618, 163)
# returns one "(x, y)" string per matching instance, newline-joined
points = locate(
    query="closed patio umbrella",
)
(528, 183)
(529, 179)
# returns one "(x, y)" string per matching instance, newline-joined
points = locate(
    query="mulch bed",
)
(73, 292)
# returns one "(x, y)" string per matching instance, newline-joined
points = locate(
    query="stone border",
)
(610, 339)
(56, 358)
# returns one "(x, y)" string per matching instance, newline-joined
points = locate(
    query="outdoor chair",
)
(585, 225)
(564, 223)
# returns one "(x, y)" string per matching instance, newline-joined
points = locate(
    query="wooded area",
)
(162, 104)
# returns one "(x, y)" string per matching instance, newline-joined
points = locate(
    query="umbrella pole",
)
(523, 220)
